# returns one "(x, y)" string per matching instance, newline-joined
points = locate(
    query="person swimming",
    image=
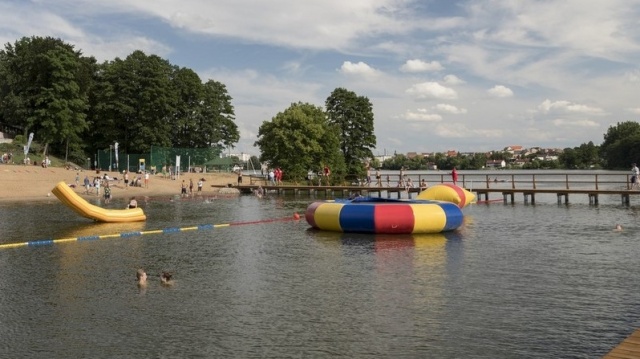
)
(141, 277)
(165, 278)
(618, 228)
(133, 203)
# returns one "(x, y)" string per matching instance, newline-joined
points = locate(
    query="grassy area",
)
(17, 151)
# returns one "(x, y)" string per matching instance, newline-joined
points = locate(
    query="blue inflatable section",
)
(454, 216)
(358, 219)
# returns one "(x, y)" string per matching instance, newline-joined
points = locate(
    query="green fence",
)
(158, 159)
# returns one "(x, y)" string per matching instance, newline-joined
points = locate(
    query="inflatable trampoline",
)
(385, 216)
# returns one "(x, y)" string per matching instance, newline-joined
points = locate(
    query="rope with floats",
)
(48, 242)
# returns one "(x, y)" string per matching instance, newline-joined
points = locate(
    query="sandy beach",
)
(29, 183)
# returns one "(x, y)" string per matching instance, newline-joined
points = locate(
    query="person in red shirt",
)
(326, 172)
(454, 176)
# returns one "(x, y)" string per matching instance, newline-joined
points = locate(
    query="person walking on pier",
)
(454, 176)
(635, 181)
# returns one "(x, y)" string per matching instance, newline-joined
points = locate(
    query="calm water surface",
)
(516, 281)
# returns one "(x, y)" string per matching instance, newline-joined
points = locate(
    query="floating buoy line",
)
(202, 227)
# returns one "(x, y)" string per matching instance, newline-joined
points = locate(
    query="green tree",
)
(135, 102)
(44, 90)
(217, 127)
(569, 159)
(353, 116)
(187, 114)
(621, 145)
(298, 140)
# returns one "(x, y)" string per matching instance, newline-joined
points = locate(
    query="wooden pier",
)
(628, 349)
(327, 191)
(508, 195)
(529, 195)
(529, 184)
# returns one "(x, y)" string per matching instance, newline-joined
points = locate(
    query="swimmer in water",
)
(165, 278)
(618, 228)
(141, 277)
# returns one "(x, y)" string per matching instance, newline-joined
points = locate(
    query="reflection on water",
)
(524, 281)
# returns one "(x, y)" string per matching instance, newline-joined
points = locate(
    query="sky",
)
(469, 76)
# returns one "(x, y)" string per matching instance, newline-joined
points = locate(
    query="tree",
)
(187, 115)
(353, 116)
(135, 103)
(621, 145)
(298, 140)
(216, 127)
(45, 85)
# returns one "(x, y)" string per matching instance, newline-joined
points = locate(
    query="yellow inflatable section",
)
(67, 196)
(448, 193)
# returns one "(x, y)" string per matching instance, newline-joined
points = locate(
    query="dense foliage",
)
(78, 106)
(298, 140)
(352, 115)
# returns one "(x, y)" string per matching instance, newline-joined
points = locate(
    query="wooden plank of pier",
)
(628, 349)
(343, 191)
(561, 193)
(508, 194)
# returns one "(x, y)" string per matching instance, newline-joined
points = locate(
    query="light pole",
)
(110, 160)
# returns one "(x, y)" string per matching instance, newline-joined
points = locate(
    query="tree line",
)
(75, 106)
(620, 148)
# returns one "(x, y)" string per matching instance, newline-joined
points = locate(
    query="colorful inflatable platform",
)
(385, 216)
(448, 193)
(70, 198)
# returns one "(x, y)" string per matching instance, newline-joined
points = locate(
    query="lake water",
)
(515, 281)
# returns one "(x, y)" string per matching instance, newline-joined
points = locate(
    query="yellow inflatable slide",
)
(70, 198)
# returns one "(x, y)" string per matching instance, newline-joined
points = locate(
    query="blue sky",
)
(441, 75)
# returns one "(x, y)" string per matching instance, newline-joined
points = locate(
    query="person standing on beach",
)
(146, 180)
(183, 189)
(107, 193)
(96, 183)
(87, 184)
(190, 186)
(454, 176)
(126, 179)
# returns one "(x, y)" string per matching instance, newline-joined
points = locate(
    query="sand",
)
(30, 183)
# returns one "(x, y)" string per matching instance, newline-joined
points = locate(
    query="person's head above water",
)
(141, 276)
(165, 277)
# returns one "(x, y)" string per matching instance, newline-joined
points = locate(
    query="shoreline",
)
(20, 183)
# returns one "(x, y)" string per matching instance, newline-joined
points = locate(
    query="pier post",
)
(625, 199)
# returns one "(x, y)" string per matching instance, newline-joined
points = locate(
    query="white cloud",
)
(561, 122)
(459, 130)
(359, 69)
(635, 110)
(453, 80)
(427, 90)
(446, 108)
(567, 107)
(500, 91)
(421, 66)
(632, 76)
(421, 115)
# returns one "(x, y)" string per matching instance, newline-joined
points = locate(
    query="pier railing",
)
(524, 180)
